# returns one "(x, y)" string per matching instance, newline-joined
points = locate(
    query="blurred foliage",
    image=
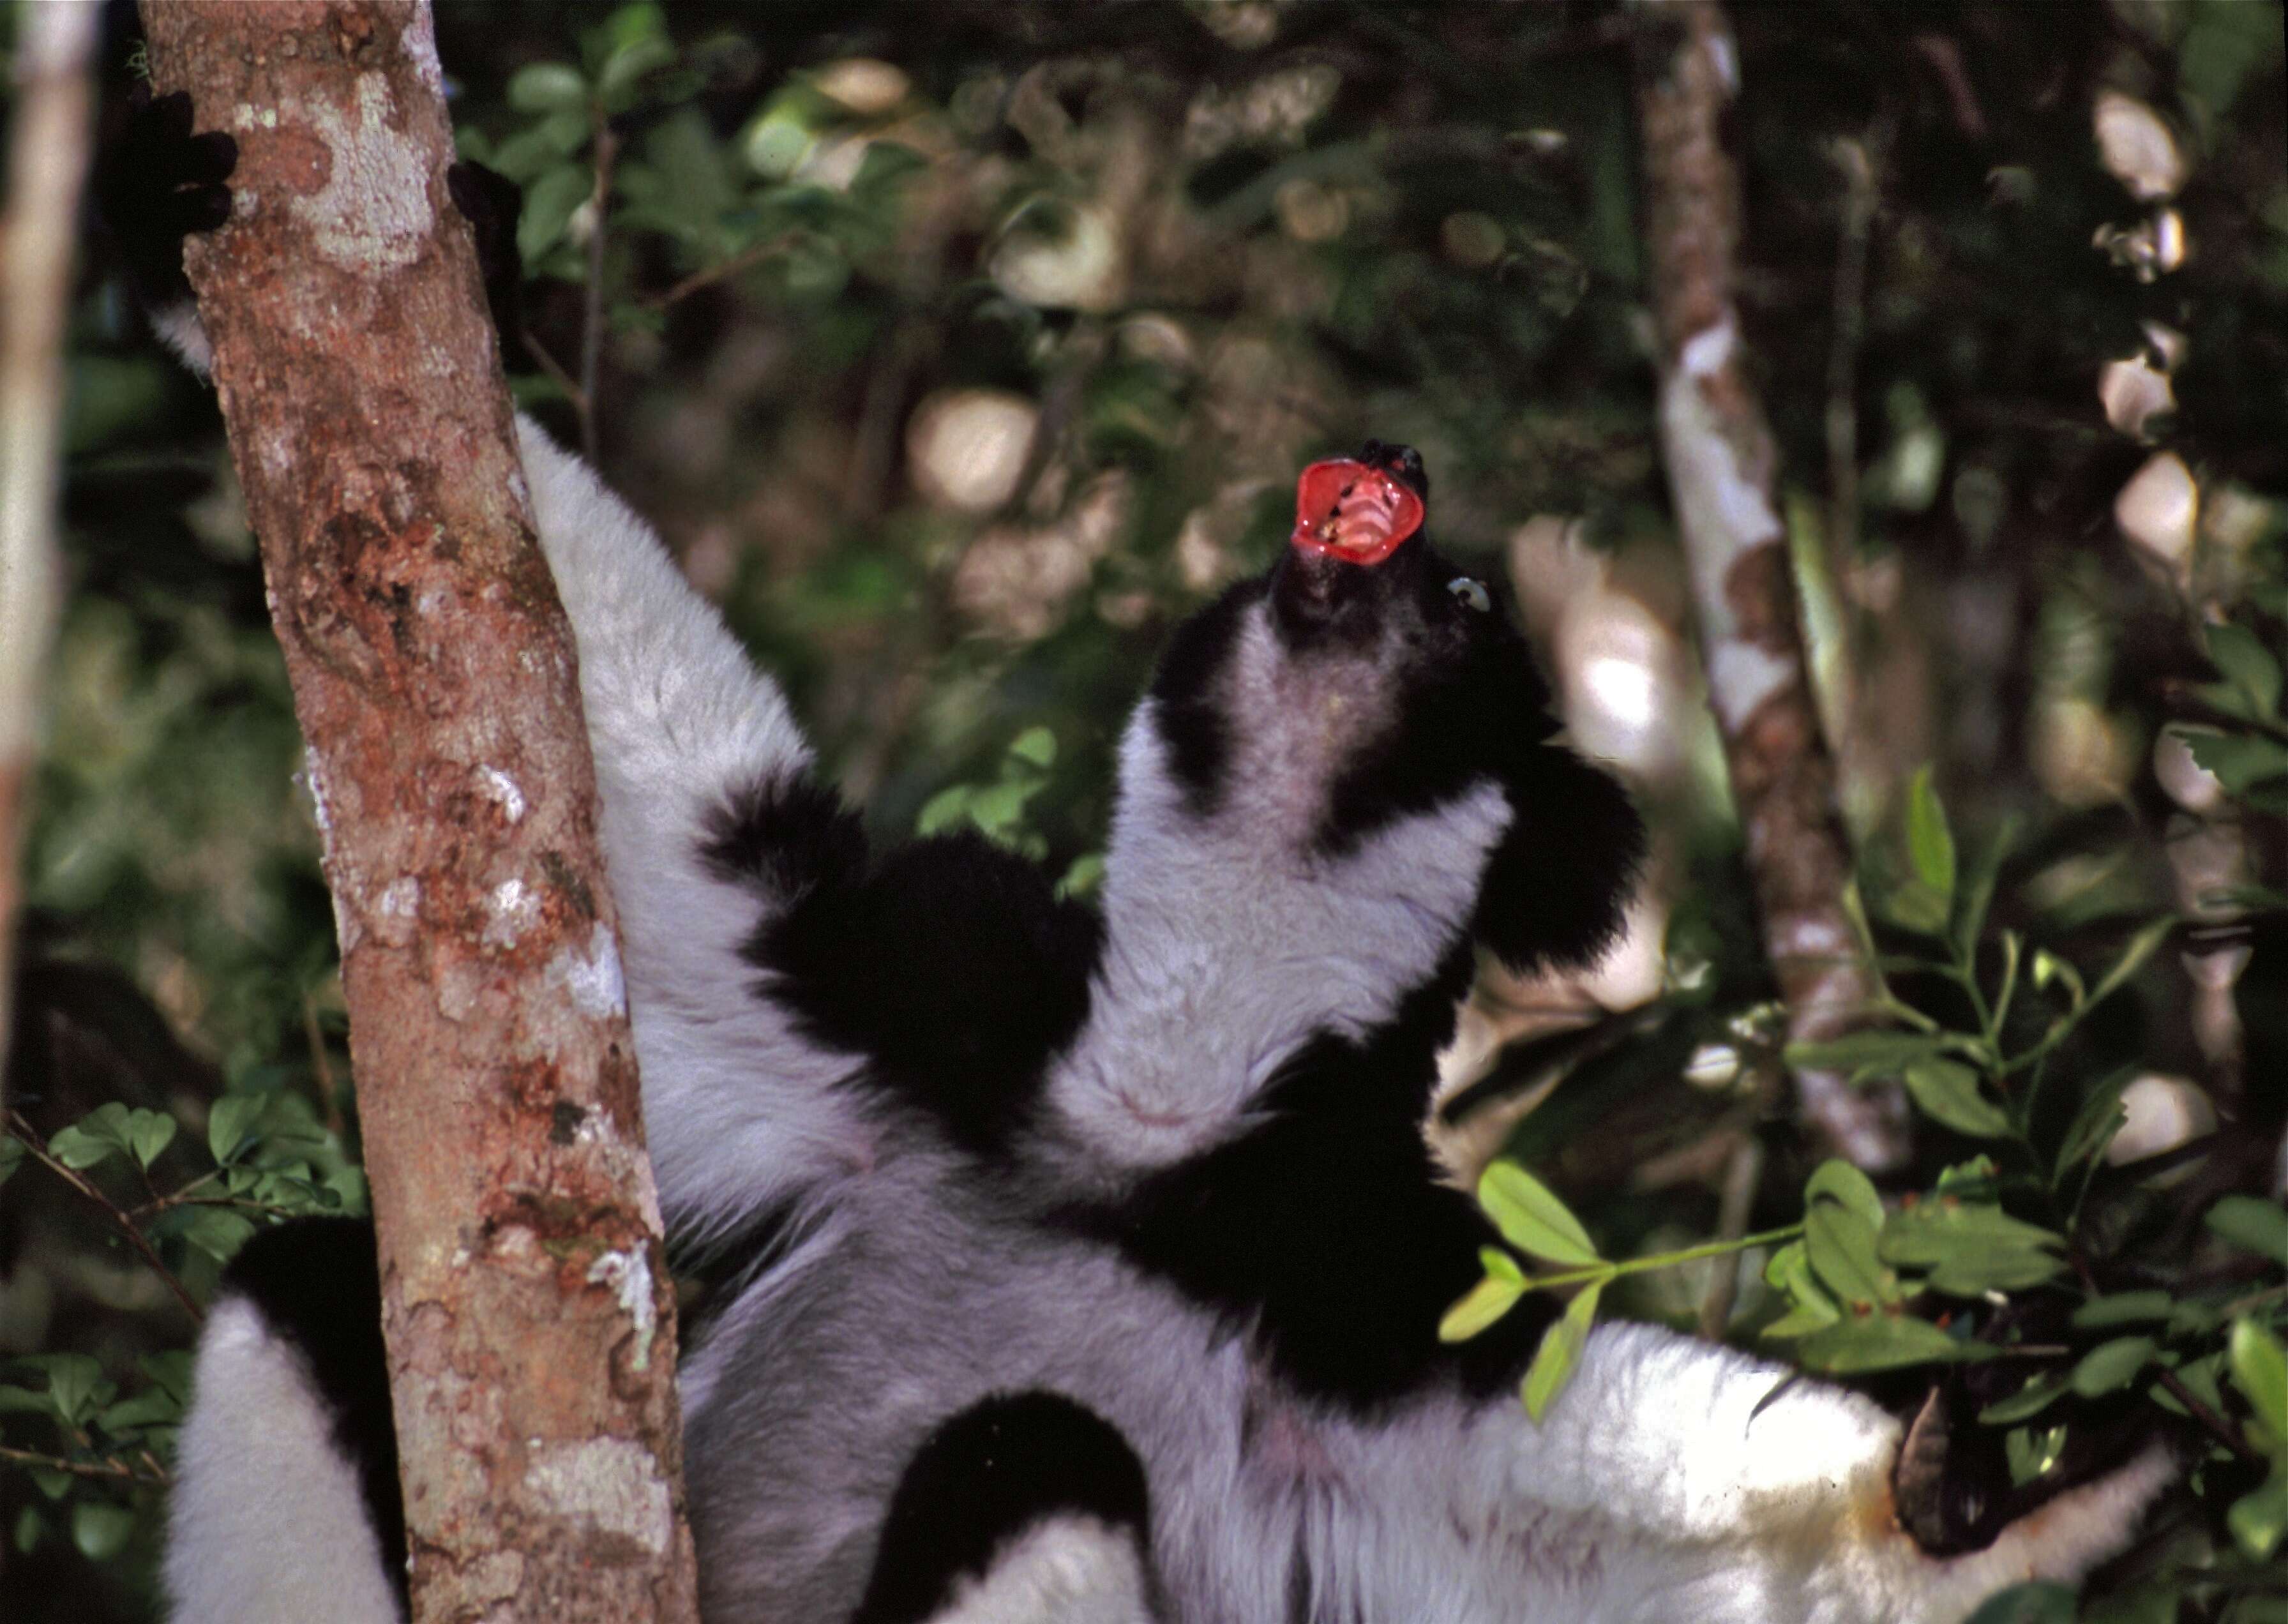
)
(959, 346)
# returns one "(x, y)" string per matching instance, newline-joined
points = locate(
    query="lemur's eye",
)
(1471, 593)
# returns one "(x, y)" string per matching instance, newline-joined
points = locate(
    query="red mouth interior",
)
(1350, 511)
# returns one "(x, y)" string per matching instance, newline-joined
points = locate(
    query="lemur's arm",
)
(689, 740)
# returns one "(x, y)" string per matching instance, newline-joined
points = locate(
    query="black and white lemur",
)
(1083, 1262)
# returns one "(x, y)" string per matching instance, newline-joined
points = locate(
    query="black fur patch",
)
(155, 183)
(1556, 886)
(1324, 1232)
(1188, 710)
(318, 1286)
(791, 835)
(993, 1472)
(951, 963)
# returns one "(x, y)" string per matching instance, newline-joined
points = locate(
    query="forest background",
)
(958, 348)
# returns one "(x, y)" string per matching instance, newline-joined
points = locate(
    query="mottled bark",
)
(1722, 475)
(526, 1298)
(47, 162)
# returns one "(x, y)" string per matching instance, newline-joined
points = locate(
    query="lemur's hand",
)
(491, 202)
(156, 183)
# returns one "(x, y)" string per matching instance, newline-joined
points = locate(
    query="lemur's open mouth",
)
(1353, 512)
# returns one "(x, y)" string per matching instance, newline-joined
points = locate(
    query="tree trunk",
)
(529, 1312)
(47, 160)
(1722, 478)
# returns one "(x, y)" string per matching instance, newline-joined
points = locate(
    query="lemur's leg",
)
(1674, 1479)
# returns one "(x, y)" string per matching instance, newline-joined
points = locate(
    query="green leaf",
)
(1882, 1341)
(11, 1155)
(1837, 1180)
(1929, 842)
(152, 1407)
(1480, 1307)
(101, 1530)
(1810, 1308)
(75, 1385)
(1560, 1351)
(626, 66)
(2260, 1369)
(549, 203)
(1530, 1217)
(1500, 1265)
(1880, 1053)
(998, 808)
(2253, 1224)
(2111, 1365)
(2036, 1602)
(2049, 967)
(1083, 877)
(1976, 894)
(231, 1124)
(1035, 745)
(148, 1134)
(2033, 1452)
(217, 1231)
(2259, 1518)
(94, 1139)
(546, 87)
(1946, 1090)
(948, 808)
(1970, 1247)
(2238, 759)
(79, 1150)
(2099, 1119)
(1842, 1245)
(2123, 1309)
(29, 1527)
(24, 1401)
(2245, 661)
(2037, 1395)
(2133, 957)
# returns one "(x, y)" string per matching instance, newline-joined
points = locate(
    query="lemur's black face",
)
(1365, 678)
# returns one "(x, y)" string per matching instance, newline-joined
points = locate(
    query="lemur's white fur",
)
(1672, 1480)
(1068, 1571)
(267, 1524)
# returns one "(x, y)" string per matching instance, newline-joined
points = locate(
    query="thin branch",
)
(156, 1476)
(722, 269)
(37, 1149)
(1743, 1170)
(2215, 1425)
(592, 313)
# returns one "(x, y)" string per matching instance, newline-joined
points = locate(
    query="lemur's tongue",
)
(1350, 511)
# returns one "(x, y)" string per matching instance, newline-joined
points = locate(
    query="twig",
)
(37, 1149)
(557, 376)
(109, 1471)
(2214, 1424)
(591, 312)
(323, 1066)
(753, 255)
(1743, 1170)
(1860, 161)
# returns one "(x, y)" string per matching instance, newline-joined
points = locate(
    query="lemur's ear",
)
(1556, 886)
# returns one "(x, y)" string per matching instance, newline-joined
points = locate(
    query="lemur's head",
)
(1366, 713)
